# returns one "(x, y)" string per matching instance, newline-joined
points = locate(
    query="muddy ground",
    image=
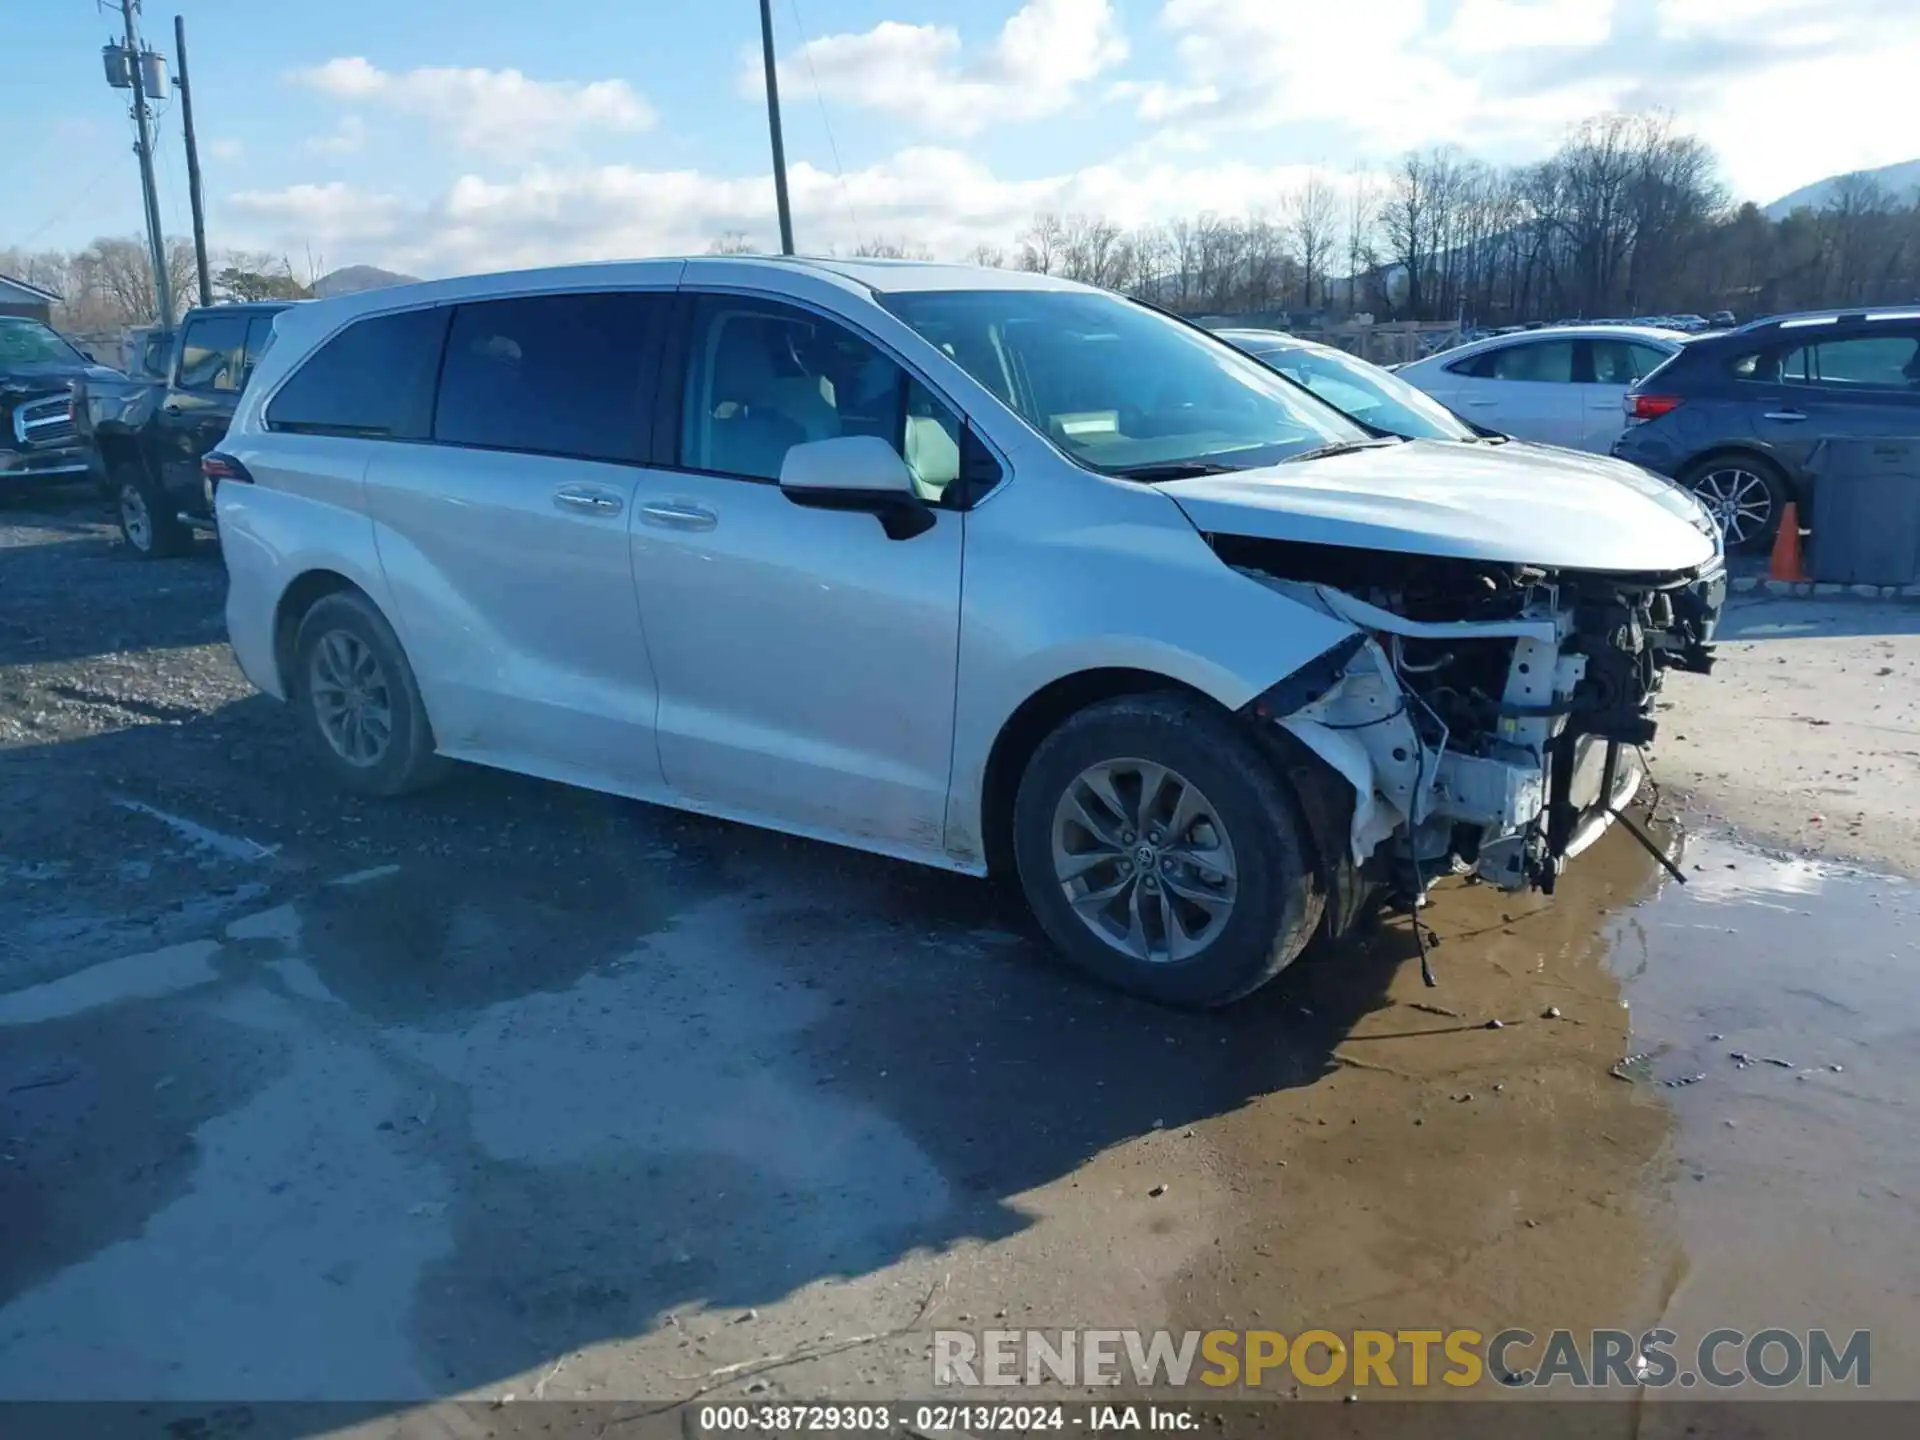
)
(514, 1089)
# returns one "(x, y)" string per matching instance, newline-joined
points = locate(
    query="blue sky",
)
(437, 136)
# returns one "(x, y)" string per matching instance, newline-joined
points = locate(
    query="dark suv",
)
(1736, 417)
(149, 433)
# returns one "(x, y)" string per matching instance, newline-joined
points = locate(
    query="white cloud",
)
(228, 150)
(1043, 56)
(1361, 64)
(1490, 27)
(500, 112)
(344, 139)
(938, 197)
(1849, 61)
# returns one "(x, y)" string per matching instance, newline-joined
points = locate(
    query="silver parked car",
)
(1560, 386)
(984, 570)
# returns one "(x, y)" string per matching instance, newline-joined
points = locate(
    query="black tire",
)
(1713, 476)
(148, 522)
(1278, 899)
(406, 760)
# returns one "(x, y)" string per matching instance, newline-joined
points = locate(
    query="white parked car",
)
(1560, 386)
(978, 569)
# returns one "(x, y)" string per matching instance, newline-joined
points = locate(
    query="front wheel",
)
(1745, 495)
(149, 525)
(1164, 853)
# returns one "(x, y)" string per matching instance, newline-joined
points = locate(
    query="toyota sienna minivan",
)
(980, 569)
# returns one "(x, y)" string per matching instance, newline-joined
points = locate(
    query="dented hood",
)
(1524, 504)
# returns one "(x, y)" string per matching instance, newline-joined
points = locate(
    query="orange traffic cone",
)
(1787, 563)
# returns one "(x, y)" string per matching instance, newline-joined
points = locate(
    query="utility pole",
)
(193, 162)
(124, 72)
(773, 125)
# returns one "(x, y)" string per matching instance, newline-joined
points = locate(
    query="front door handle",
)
(1786, 415)
(590, 502)
(668, 515)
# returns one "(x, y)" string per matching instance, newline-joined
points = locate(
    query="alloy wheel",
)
(347, 687)
(1144, 860)
(1739, 501)
(135, 519)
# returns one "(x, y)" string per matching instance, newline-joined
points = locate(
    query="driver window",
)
(764, 377)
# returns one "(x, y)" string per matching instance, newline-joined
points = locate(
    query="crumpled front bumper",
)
(1513, 802)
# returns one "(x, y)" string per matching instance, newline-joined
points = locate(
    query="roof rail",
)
(1794, 319)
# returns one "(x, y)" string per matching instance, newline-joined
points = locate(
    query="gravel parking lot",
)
(512, 1088)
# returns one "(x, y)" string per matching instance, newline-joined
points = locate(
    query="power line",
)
(819, 99)
(85, 193)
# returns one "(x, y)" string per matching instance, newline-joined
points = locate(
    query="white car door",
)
(1524, 389)
(505, 540)
(1614, 367)
(805, 660)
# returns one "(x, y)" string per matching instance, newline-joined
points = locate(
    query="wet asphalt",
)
(512, 1088)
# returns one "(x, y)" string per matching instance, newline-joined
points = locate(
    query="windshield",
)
(1365, 392)
(26, 344)
(1118, 387)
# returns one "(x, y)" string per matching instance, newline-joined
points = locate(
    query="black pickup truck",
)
(148, 435)
(38, 371)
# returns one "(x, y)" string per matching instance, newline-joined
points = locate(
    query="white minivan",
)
(975, 568)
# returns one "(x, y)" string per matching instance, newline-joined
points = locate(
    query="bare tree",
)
(991, 257)
(1362, 214)
(731, 242)
(1042, 244)
(1312, 213)
(898, 248)
(1094, 251)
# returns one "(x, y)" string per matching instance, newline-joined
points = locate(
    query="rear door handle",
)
(587, 501)
(1786, 415)
(668, 515)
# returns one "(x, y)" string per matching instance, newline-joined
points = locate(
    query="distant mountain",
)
(352, 279)
(1899, 180)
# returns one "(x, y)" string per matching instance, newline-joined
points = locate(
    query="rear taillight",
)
(219, 468)
(1650, 407)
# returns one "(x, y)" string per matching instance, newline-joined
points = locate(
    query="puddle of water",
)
(1789, 985)
(1446, 1173)
(436, 940)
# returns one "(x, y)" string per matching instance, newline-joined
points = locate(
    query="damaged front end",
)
(1488, 716)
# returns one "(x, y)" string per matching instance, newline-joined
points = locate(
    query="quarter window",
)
(1623, 362)
(552, 374)
(213, 354)
(374, 379)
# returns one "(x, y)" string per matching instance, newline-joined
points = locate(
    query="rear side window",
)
(1885, 362)
(374, 379)
(552, 374)
(1550, 360)
(213, 353)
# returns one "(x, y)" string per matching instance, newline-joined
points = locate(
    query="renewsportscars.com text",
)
(1386, 1359)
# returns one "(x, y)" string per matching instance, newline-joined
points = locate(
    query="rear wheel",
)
(1745, 495)
(148, 524)
(1163, 852)
(359, 701)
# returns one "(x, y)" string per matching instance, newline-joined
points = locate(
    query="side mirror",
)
(856, 472)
